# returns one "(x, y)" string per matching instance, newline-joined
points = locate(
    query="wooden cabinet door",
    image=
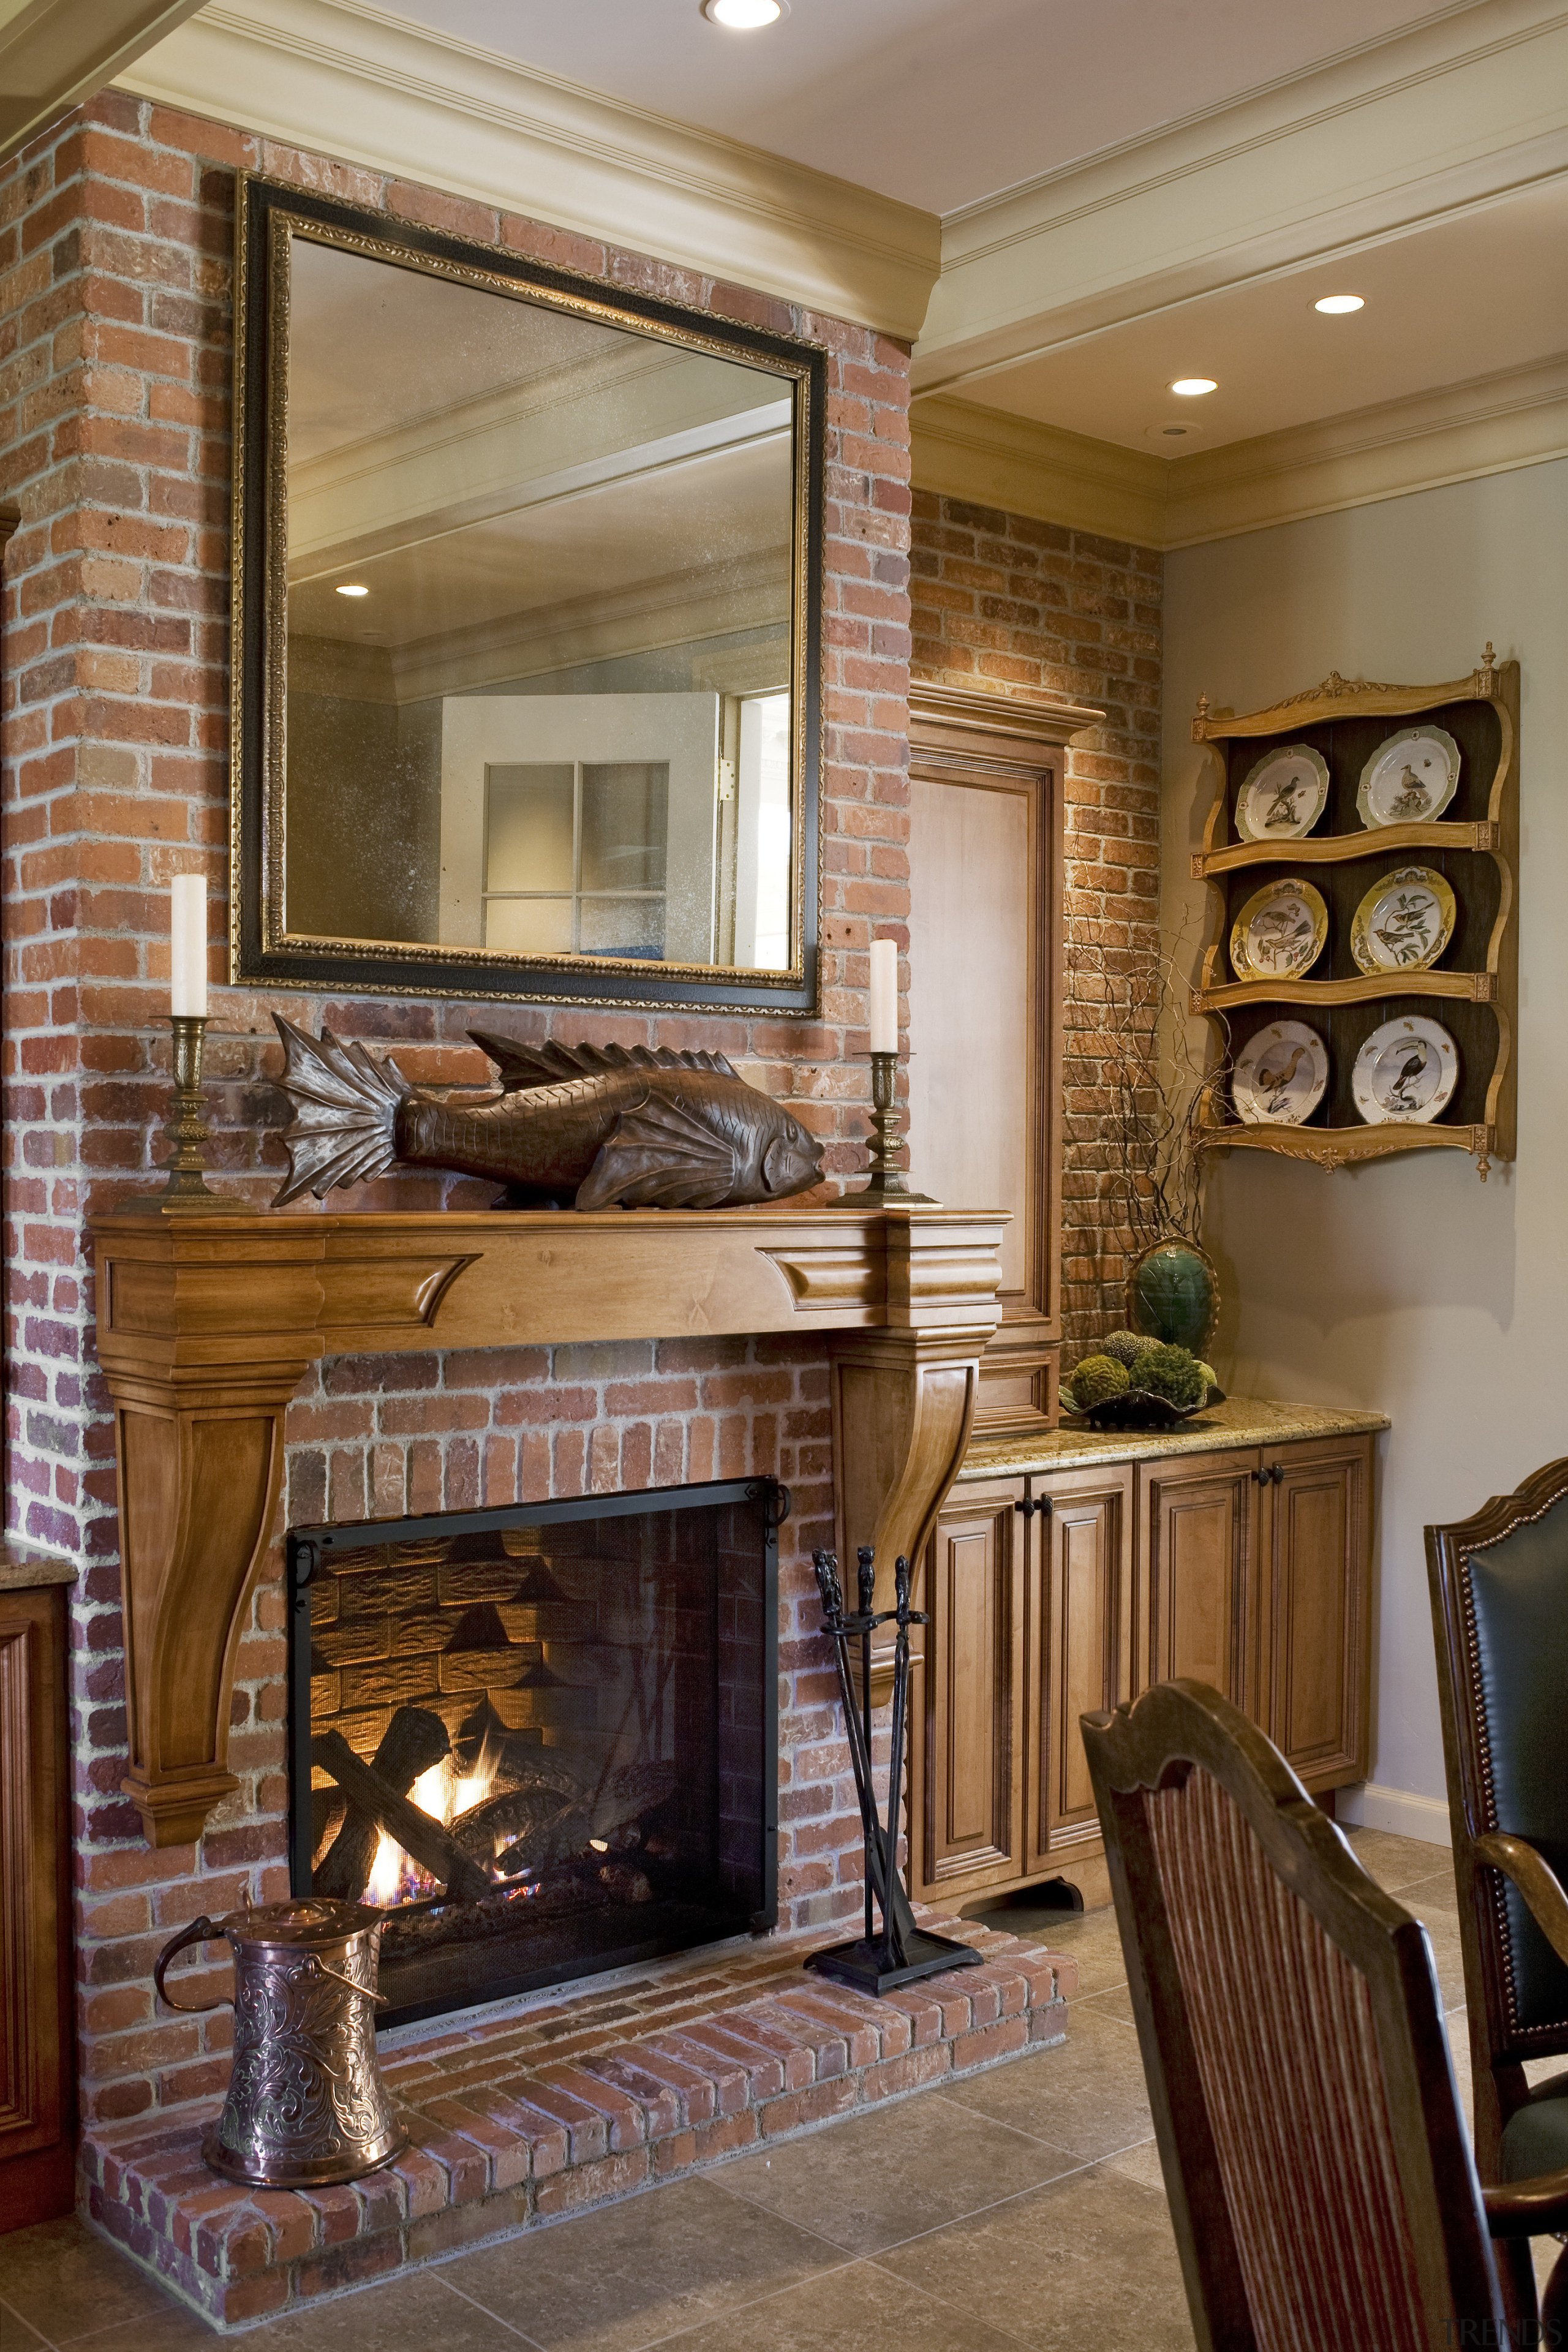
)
(985, 942)
(964, 1769)
(37, 2154)
(1078, 1633)
(1315, 1580)
(1197, 1609)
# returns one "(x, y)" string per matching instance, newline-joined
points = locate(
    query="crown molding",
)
(339, 78)
(1490, 424)
(55, 53)
(1469, 106)
(995, 459)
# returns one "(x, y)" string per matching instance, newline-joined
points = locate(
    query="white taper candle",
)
(884, 996)
(188, 945)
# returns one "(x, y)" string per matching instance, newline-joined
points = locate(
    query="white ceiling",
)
(1467, 296)
(948, 104)
(938, 102)
(1119, 191)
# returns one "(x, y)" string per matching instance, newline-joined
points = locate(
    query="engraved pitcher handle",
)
(200, 1931)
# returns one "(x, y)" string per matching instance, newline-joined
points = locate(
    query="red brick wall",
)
(1003, 603)
(114, 417)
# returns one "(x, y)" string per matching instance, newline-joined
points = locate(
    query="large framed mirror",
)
(527, 628)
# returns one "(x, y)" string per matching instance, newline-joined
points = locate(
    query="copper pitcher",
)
(306, 2102)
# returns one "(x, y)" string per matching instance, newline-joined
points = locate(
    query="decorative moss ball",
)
(1124, 1345)
(1097, 1378)
(1173, 1373)
(1208, 1372)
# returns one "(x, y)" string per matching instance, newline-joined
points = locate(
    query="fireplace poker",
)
(839, 1627)
(866, 1589)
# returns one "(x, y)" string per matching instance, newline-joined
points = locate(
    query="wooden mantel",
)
(206, 1324)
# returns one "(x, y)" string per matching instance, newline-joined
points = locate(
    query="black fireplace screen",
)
(544, 1739)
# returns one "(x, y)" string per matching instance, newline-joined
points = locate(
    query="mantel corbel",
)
(207, 1324)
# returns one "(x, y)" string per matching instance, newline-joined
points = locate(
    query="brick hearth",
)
(539, 2110)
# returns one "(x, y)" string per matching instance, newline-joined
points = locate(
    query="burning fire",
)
(444, 1794)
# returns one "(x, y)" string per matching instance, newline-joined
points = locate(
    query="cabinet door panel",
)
(974, 1595)
(1317, 1554)
(1079, 1644)
(36, 2057)
(985, 925)
(1199, 1555)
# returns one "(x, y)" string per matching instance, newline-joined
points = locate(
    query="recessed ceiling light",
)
(353, 588)
(745, 16)
(1190, 386)
(1333, 304)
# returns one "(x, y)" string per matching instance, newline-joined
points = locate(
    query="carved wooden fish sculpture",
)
(612, 1124)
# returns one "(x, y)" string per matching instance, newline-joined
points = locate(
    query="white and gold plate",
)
(1404, 921)
(1283, 795)
(1405, 1073)
(1280, 932)
(1280, 1076)
(1410, 779)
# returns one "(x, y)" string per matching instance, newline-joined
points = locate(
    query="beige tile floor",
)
(1023, 2208)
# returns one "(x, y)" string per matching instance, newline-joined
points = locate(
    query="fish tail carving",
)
(344, 1128)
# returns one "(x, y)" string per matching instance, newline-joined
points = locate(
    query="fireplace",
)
(545, 1739)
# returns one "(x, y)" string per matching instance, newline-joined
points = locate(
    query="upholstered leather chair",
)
(1320, 2176)
(1500, 1608)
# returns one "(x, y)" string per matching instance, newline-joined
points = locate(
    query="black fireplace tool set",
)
(903, 1953)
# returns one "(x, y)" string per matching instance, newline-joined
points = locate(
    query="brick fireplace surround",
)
(114, 442)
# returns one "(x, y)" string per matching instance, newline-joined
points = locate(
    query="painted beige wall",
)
(1407, 1284)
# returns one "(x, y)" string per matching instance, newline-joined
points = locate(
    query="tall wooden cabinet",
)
(37, 2046)
(1058, 1593)
(985, 978)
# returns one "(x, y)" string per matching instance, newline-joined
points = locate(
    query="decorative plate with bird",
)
(1405, 1072)
(1283, 795)
(1410, 779)
(1404, 921)
(1280, 932)
(1280, 1076)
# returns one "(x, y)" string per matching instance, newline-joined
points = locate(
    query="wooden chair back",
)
(1499, 1609)
(1319, 2177)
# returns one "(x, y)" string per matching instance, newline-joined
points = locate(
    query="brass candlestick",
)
(187, 1186)
(886, 1185)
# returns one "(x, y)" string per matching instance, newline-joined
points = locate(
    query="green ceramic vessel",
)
(1172, 1294)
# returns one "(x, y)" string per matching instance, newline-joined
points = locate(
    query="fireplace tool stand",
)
(903, 1953)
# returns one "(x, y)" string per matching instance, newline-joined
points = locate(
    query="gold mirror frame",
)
(269, 218)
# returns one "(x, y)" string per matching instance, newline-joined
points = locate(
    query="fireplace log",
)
(415, 1831)
(412, 1743)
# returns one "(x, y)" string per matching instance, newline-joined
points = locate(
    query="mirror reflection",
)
(539, 629)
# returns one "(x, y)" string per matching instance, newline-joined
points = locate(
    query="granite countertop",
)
(1239, 1420)
(20, 1569)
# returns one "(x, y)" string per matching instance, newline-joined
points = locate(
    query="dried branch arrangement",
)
(1165, 1084)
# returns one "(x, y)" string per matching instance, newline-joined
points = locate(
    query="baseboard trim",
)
(1399, 1809)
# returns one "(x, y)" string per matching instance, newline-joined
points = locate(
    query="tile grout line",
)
(46, 2342)
(475, 2304)
(1070, 2172)
(845, 2260)
(941, 2303)
(755, 2302)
